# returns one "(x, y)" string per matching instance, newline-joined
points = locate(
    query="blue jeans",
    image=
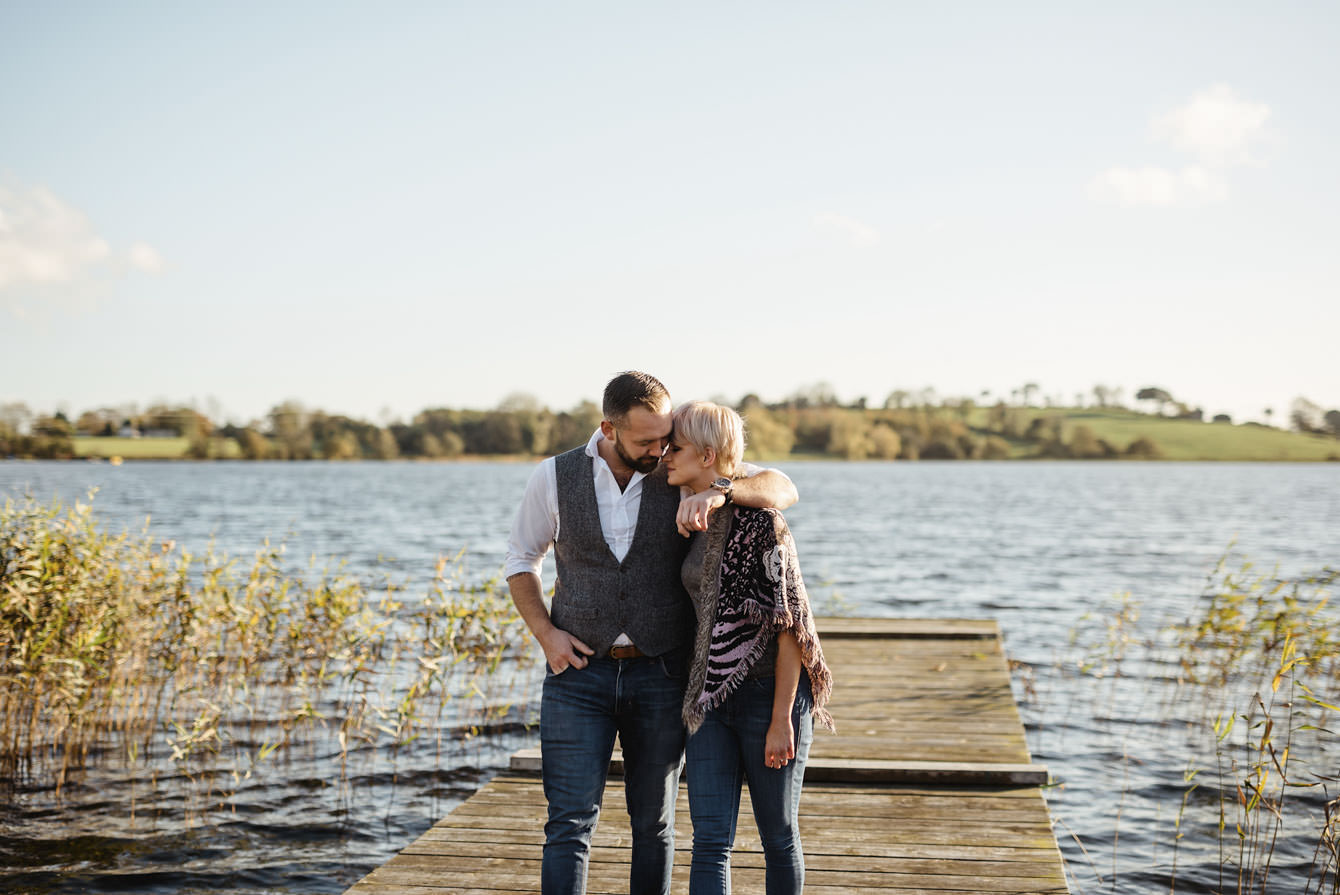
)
(724, 752)
(580, 712)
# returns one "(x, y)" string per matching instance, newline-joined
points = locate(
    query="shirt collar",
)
(593, 450)
(591, 446)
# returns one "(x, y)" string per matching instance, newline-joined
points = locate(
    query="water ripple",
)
(1044, 548)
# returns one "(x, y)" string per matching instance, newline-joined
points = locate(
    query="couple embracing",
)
(679, 613)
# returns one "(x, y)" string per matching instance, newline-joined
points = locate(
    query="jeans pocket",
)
(674, 665)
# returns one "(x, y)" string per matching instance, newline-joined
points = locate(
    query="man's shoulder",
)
(569, 456)
(572, 470)
(578, 450)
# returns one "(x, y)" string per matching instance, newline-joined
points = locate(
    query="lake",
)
(1045, 548)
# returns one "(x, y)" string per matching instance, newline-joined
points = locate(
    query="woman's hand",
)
(780, 745)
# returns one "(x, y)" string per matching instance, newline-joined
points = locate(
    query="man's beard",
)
(646, 466)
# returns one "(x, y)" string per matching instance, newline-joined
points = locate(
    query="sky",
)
(377, 208)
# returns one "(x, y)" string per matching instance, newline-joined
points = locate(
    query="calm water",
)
(1042, 547)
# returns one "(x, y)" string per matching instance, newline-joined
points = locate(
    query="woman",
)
(758, 680)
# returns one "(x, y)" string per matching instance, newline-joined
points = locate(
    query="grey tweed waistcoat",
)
(596, 597)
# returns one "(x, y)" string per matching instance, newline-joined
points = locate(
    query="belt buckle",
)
(625, 652)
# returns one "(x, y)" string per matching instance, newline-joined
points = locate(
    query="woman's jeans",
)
(727, 750)
(580, 712)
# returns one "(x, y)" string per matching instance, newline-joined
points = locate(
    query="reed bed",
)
(1263, 652)
(125, 647)
(1246, 683)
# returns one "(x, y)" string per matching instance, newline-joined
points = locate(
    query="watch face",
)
(722, 484)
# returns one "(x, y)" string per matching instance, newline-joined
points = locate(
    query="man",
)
(618, 638)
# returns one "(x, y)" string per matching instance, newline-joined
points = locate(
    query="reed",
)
(1247, 682)
(1264, 650)
(123, 646)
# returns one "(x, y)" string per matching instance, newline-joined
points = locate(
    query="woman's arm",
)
(780, 745)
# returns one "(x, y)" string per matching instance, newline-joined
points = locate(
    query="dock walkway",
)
(926, 787)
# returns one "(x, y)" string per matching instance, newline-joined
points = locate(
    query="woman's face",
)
(684, 465)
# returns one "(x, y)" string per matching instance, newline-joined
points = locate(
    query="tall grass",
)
(121, 645)
(1247, 683)
(1271, 646)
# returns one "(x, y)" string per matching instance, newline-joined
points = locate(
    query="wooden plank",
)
(909, 628)
(523, 876)
(927, 787)
(1008, 861)
(818, 799)
(524, 784)
(867, 770)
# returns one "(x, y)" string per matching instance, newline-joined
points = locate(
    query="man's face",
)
(642, 438)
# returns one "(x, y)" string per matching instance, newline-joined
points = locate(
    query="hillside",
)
(1180, 439)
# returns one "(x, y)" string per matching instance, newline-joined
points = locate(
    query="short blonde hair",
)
(704, 425)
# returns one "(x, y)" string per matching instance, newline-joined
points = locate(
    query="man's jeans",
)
(727, 750)
(580, 712)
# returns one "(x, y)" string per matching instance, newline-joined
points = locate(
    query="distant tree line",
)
(910, 425)
(951, 430)
(519, 425)
(49, 436)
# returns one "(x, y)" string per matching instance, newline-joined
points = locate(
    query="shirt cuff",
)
(517, 564)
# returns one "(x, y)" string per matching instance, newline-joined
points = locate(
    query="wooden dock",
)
(926, 787)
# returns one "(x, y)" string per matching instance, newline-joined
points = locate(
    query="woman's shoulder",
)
(758, 518)
(744, 512)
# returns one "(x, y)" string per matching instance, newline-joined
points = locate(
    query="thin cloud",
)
(1158, 186)
(1216, 127)
(51, 247)
(145, 257)
(860, 234)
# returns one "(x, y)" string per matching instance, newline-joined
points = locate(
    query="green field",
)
(149, 448)
(1185, 439)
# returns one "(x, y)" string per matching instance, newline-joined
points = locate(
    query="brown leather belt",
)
(626, 652)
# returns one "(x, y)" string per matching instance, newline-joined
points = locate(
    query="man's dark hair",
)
(633, 389)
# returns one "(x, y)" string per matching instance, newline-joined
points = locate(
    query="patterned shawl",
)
(754, 591)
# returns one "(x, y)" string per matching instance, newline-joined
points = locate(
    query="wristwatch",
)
(725, 486)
